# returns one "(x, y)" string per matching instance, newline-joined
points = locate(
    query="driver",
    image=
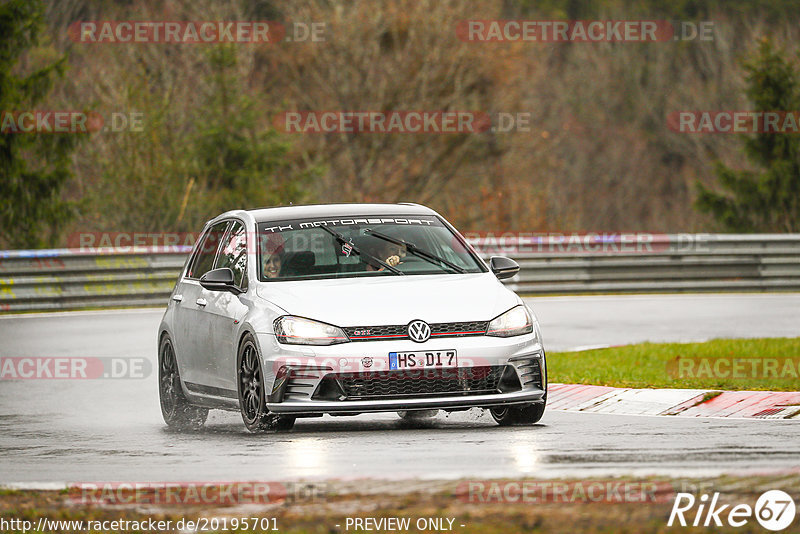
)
(390, 253)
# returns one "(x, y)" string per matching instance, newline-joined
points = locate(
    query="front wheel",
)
(252, 398)
(512, 415)
(178, 413)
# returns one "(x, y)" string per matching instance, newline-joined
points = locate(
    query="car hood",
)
(393, 300)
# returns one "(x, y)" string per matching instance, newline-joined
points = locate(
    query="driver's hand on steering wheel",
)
(393, 260)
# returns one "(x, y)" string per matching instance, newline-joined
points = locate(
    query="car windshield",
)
(340, 247)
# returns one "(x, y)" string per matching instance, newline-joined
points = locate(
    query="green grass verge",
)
(724, 364)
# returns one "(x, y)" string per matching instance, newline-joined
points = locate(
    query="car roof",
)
(331, 210)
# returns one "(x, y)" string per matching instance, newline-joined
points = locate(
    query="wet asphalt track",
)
(111, 430)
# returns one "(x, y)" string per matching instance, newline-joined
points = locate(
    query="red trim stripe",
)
(458, 333)
(374, 337)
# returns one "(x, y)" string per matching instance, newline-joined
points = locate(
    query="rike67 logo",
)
(774, 510)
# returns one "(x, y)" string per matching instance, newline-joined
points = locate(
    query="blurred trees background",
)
(598, 157)
(767, 201)
(34, 167)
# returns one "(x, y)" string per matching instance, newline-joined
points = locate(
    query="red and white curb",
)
(681, 402)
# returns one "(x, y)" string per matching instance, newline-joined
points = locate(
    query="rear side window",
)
(233, 254)
(207, 251)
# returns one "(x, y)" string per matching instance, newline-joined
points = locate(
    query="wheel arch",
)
(247, 330)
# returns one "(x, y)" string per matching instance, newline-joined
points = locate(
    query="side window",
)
(207, 251)
(233, 254)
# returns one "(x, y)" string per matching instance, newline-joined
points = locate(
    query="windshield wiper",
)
(414, 249)
(342, 241)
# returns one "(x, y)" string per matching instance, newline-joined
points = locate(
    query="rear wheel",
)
(252, 398)
(178, 413)
(512, 415)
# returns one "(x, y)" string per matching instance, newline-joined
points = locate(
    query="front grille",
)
(375, 333)
(393, 332)
(472, 328)
(411, 383)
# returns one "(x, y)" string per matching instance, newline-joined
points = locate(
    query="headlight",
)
(300, 331)
(514, 322)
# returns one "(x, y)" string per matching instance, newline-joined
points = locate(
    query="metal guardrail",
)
(41, 280)
(666, 263)
(63, 279)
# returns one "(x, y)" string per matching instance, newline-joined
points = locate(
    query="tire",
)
(178, 413)
(417, 415)
(512, 415)
(252, 398)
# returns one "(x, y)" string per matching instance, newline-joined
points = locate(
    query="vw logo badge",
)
(419, 331)
(366, 362)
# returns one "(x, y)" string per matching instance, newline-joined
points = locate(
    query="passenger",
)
(272, 248)
(271, 265)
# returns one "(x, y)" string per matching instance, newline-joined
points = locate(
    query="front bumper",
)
(392, 405)
(294, 375)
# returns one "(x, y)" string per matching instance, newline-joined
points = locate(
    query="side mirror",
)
(219, 280)
(503, 267)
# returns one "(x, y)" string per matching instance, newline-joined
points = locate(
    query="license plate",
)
(423, 359)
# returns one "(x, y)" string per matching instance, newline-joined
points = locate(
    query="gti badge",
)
(366, 362)
(419, 331)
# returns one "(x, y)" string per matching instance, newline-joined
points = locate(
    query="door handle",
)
(177, 298)
(201, 302)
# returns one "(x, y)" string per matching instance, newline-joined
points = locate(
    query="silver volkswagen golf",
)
(345, 309)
